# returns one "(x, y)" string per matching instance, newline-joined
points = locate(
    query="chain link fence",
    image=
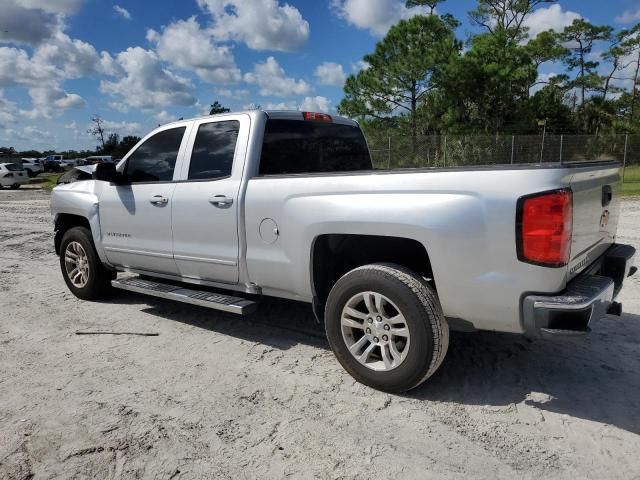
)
(444, 151)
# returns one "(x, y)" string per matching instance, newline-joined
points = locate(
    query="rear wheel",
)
(15, 186)
(83, 272)
(386, 327)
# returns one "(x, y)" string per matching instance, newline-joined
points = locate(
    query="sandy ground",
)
(214, 396)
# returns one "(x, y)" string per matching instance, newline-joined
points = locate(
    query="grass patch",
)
(50, 182)
(631, 185)
(632, 174)
(630, 189)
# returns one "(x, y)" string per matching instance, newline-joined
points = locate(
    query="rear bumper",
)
(587, 298)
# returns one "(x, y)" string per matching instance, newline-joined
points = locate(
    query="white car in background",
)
(12, 175)
(32, 166)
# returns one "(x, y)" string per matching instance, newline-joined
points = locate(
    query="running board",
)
(201, 298)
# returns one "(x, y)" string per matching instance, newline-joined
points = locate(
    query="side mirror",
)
(106, 172)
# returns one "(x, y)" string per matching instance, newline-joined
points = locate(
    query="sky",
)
(140, 63)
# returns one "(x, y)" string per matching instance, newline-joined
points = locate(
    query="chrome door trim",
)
(187, 258)
(138, 252)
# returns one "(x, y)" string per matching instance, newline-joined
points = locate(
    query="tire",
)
(417, 305)
(15, 186)
(30, 173)
(95, 284)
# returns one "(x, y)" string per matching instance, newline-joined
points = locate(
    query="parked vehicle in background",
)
(288, 204)
(12, 175)
(98, 159)
(32, 166)
(76, 174)
(67, 163)
(52, 166)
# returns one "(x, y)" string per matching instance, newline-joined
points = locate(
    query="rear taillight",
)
(544, 223)
(317, 117)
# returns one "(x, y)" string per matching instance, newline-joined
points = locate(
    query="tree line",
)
(421, 79)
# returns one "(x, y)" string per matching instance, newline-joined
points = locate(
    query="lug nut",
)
(368, 330)
(387, 327)
(376, 339)
(379, 318)
(385, 338)
(369, 320)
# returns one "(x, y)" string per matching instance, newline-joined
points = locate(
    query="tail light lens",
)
(317, 117)
(544, 223)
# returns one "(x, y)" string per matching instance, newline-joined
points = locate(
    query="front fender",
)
(80, 199)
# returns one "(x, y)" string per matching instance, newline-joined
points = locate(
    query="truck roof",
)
(280, 114)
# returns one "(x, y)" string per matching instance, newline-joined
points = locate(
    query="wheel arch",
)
(333, 255)
(63, 222)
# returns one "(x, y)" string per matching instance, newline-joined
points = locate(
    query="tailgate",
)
(596, 208)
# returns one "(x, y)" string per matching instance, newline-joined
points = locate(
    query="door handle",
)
(159, 200)
(221, 201)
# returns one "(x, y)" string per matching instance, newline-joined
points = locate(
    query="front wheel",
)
(83, 272)
(386, 327)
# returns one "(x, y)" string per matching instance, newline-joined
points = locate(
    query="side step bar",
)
(202, 298)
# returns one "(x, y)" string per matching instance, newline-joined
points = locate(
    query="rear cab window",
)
(302, 146)
(12, 167)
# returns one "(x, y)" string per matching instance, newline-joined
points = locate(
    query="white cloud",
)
(49, 102)
(30, 135)
(541, 82)
(122, 128)
(164, 117)
(188, 47)
(40, 75)
(629, 16)
(26, 26)
(73, 57)
(377, 16)
(550, 18)
(62, 7)
(110, 66)
(16, 68)
(144, 83)
(238, 94)
(56, 57)
(308, 104)
(123, 12)
(42, 80)
(329, 73)
(71, 126)
(260, 24)
(8, 110)
(359, 66)
(35, 133)
(273, 81)
(316, 104)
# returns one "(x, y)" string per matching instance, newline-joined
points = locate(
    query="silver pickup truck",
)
(219, 210)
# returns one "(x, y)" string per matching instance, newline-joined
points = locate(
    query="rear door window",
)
(213, 150)
(155, 160)
(297, 146)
